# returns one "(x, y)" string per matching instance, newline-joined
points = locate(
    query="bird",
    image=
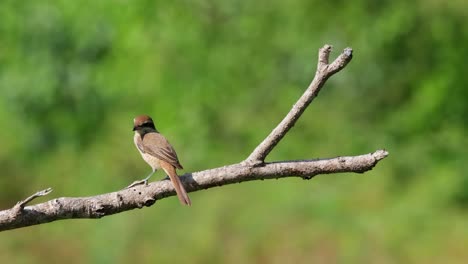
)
(156, 150)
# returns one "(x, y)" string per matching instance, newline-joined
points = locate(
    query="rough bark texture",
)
(253, 168)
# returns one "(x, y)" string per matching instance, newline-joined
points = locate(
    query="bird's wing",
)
(157, 145)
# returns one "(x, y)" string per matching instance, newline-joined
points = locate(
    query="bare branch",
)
(253, 168)
(146, 195)
(324, 71)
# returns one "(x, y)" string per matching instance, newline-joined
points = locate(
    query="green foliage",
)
(217, 76)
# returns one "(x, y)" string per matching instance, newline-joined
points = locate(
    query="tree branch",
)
(324, 71)
(253, 168)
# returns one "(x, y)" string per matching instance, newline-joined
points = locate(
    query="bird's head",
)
(143, 123)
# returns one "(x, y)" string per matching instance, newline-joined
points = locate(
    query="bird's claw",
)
(135, 183)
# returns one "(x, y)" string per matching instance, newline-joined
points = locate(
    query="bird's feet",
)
(144, 181)
(135, 183)
(140, 182)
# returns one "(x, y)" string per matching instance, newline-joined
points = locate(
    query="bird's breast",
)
(151, 160)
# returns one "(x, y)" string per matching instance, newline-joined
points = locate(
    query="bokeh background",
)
(217, 76)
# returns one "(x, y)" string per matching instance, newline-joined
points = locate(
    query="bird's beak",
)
(134, 128)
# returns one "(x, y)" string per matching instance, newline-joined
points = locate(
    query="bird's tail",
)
(180, 190)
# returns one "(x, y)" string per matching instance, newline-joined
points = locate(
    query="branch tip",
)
(348, 52)
(324, 54)
(340, 62)
(380, 154)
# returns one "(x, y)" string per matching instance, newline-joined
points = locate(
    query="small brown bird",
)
(158, 153)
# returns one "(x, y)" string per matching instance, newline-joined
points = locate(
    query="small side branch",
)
(324, 71)
(20, 205)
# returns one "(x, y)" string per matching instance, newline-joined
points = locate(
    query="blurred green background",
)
(217, 76)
